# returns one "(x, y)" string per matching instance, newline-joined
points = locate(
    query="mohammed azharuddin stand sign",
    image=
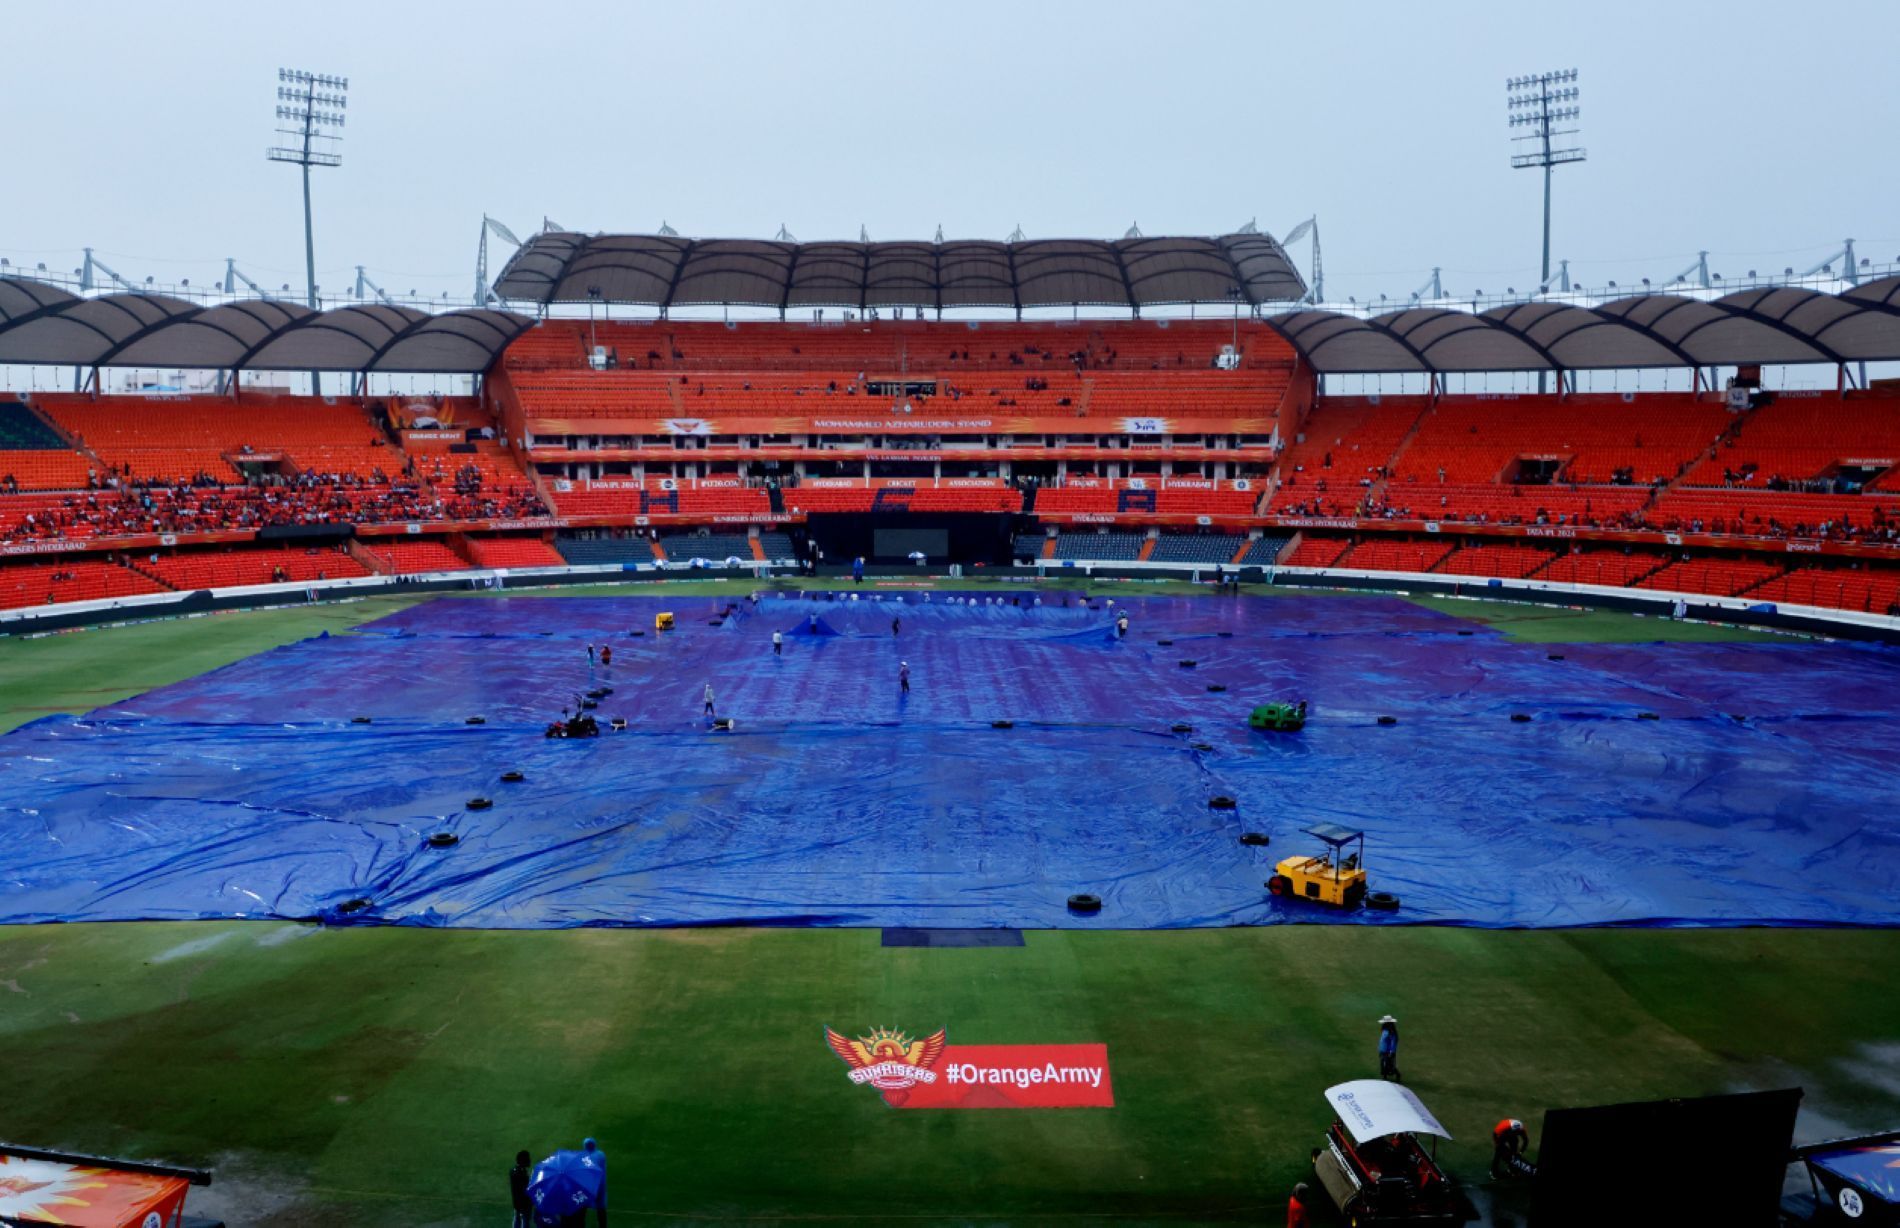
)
(931, 1073)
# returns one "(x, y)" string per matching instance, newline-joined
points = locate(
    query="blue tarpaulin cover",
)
(1763, 794)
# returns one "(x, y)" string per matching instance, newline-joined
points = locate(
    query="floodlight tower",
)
(310, 110)
(1539, 104)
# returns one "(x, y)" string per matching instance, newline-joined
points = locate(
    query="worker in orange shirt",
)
(1296, 1207)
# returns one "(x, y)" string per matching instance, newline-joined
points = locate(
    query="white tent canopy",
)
(1775, 324)
(44, 325)
(671, 271)
(1373, 1108)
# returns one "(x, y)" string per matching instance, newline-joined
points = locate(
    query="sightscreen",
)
(1708, 1160)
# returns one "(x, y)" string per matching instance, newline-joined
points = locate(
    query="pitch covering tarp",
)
(1762, 794)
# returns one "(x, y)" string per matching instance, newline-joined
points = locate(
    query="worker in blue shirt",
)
(1389, 1049)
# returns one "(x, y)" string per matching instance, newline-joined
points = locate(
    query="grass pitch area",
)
(387, 1076)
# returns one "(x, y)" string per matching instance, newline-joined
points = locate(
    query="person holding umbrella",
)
(566, 1184)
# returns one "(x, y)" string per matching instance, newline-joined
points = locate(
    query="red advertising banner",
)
(930, 1073)
(1018, 1077)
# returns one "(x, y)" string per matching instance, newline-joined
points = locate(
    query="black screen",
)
(1712, 1160)
(899, 543)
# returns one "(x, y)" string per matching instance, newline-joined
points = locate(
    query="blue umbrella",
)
(566, 1182)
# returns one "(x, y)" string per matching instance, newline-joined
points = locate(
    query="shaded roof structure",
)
(671, 271)
(1776, 324)
(45, 325)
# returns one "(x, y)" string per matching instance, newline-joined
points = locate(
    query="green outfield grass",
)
(387, 1076)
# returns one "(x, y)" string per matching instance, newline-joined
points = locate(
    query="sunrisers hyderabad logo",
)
(888, 1060)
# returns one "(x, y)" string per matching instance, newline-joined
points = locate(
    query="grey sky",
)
(140, 129)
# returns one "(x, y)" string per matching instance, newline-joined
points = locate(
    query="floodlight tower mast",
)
(1538, 104)
(310, 114)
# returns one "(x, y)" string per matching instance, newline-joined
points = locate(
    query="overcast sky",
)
(1761, 131)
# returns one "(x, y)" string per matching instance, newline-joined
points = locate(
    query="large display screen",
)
(900, 543)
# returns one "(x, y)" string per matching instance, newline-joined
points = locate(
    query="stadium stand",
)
(1490, 559)
(227, 568)
(32, 584)
(1265, 550)
(1613, 567)
(713, 547)
(1867, 590)
(647, 443)
(410, 557)
(1802, 438)
(170, 438)
(777, 547)
(514, 551)
(1318, 552)
(1377, 555)
(1196, 548)
(1100, 547)
(33, 456)
(1724, 577)
(603, 546)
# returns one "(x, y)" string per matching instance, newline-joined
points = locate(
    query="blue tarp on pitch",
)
(1763, 794)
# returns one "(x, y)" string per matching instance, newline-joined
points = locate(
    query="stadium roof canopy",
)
(45, 325)
(1779, 324)
(671, 271)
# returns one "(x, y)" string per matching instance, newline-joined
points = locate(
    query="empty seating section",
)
(1027, 545)
(22, 431)
(406, 557)
(1105, 547)
(1318, 552)
(579, 395)
(713, 547)
(1341, 449)
(1615, 568)
(552, 343)
(32, 584)
(182, 438)
(603, 548)
(1265, 550)
(1378, 555)
(1799, 438)
(1510, 561)
(513, 552)
(1841, 588)
(1591, 437)
(197, 569)
(32, 454)
(777, 546)
(1196, 548)
(1721, 577)
(45, 470)
(1201, 394)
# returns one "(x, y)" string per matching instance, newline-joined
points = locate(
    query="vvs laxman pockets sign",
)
(931, 1073)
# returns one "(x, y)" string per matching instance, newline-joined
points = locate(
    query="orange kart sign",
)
(933, 1074)
(35, 1191)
